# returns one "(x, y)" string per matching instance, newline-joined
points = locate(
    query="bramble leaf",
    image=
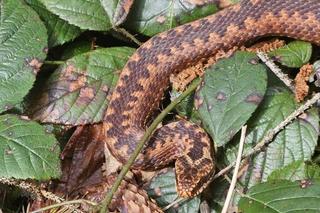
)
(27, 150)
(23, 41)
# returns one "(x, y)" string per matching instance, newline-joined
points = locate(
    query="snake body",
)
(146, 76)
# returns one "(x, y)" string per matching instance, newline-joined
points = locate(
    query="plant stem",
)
(54, 62)
(236, 170)
(128, 35)
(107, 200)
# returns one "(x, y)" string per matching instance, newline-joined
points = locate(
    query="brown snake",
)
(146, 76)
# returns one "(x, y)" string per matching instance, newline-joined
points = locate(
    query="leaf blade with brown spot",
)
(231, 91)
(23, 41)
(77, 93)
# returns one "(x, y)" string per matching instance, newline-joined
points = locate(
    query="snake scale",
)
(145, 77)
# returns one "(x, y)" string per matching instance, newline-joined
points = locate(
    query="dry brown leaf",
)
(301, 86)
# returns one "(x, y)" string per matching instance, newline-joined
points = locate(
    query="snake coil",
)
(146, 75)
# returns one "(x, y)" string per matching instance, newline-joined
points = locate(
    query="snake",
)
(145, 78)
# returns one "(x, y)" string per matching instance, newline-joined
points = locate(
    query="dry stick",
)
(37, 191)
(276, 70)
(270, 135)
(236, 170)
(107, 200)
(24, 185)
(32, 189)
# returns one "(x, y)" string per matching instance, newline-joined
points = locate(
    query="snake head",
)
(193, 177)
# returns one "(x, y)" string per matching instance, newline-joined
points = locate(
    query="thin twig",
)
(127, 34)
(35, 190)
(180, 199)
(270, 135)
(226, 177)
(103, 207)
(276, 70)
(66, 203)
(236, 170)
(31, 188)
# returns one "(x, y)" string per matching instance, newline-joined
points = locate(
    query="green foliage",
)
(59, 31)
(163, 189)
(282, 196)
(150, 17)
(23, 41)
(232, 89)
(83, 60)
(297, 170)
(76, 93)
(295, 54)
(27, 150)
(114, 11)
(294, 143)
(82, 13)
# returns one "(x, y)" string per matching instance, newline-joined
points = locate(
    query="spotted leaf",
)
(231, 91)
(77, 92)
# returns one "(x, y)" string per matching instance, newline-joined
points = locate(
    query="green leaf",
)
(297, 170)
(186, 107)
(150, 17)
(162, 188)
(28, 151)
(76, 93)
(231, 91)
(23, 41)
(282, 196)
(59, 31)
(115, 10)
(86, 14)
(295, 54)
(297, 141)
(76, 48)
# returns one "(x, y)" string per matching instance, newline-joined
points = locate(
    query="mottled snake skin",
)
(146, 76)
